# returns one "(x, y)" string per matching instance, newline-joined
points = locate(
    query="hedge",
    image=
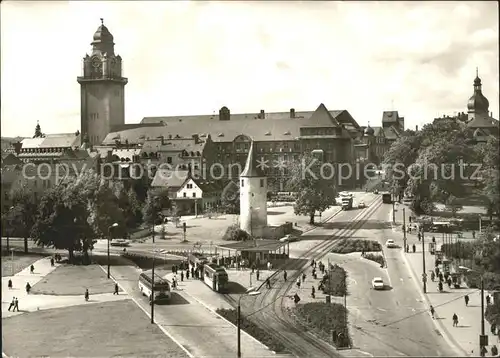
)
(328, 320)
(346, 246)
(335, 282)
(234, 233)
(375, 257)
(252, 329)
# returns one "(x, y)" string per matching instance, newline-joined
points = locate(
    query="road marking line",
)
(148, 314)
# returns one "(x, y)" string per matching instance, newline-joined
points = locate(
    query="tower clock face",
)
(96, 62)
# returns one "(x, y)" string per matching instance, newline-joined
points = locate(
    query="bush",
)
(252, 329)
(146, 262)
(459, 250)
(346, 246)
(234, 233)
(327, 319)
(375, 257)
(335, 282)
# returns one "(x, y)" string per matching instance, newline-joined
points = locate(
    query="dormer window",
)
(268, 133)
(220, 135)
(286, 133)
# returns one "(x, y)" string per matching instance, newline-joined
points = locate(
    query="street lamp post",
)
(424, 275)
(153, 280)
(109, 239)
(238, 317)
(404, 230)
(8, 228)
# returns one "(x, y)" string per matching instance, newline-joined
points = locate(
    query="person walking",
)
(303, 277)
(32, 269)
(12, 303)
(28, 288)
(182, 276)
(52, 261)
(432, 311)
(455, 320)
(257, 274)
(466, 299)
(268, 283)
(9, 284)
(16, 304)
(187, 274)
(494, 351)
(414, 248)
(313, 292)
(284, 275)
(87, 294)
(419, 237)
(298, 283)
(116, 289)
(433, 276)
(488, 300)
(493, 328)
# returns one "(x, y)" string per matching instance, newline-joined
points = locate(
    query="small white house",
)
(195, 196)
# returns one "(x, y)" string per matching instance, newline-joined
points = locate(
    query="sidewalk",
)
(466, 336)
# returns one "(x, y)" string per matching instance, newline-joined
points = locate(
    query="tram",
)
(215, 277)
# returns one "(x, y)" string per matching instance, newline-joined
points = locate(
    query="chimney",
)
(196, 138)
(292, 112)
(416, 128)
(262, 114)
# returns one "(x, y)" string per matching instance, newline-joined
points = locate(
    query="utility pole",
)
(404, 230)
(483, 339)
(424, 275)
(393, 209)
(153, 280)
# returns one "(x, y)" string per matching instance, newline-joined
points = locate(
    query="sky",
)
(418, 58)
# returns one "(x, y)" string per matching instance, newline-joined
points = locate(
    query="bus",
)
(161, 287)
(386, 198)
(215, 277)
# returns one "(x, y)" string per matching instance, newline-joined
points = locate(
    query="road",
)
(392, 322)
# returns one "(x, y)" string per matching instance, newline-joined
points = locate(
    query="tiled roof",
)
(180, 145)
(62, 140)
(482, 122)
(126, 153)
(274, 127)
(169, 178)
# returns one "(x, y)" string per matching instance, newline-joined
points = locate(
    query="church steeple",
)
(251, 169)
(478, 103)
(103, 41)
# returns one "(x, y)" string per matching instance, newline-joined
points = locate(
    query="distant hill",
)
(6, 142)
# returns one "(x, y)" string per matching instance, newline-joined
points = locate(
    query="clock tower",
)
(102, 88)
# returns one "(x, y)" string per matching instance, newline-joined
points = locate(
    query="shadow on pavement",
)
(369, 225)
(235, 287)
(175, 299)
(275, 212)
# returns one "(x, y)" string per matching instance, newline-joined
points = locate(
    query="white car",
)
(378, 283)
(390, 244)
(361, 205)
(289, 238)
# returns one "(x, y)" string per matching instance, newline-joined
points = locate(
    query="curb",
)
(232, 324)
(440, 326)
(148, 314)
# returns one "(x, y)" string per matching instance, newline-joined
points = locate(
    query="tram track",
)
(276, 318)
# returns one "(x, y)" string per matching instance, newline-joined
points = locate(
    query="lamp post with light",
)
(250, 292)
(110, 230)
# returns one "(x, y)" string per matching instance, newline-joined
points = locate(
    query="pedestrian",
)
(312, 263)
(257, 274)
(441, 278)
(484, 351)
(419, 237)
(449, 282)
(493, 328)
(173, 268)
(284, 275)
(52, 261)
(298, 283)
(407, 248)
(268, 283)
(9, 284)
(303, 277)
(466, 298)
(437, 270)
(494, 350)
(488, 299)
(455, 320)
(32, 269)
(187, 274)
(414, 248)
(12, 304)
(440, 286)
(313, 292)
(473, 234)
(87, 295)
(432, 311)
(116, 289)
(182, 276)
(268, 266)
(433, 276)
(253, 267)
(28, 288)
(363, 253)
(16, 304)
(314, 274)
(192, 272)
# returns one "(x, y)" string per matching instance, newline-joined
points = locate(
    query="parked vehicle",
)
(290, 238)
(390, 244)
(162, 287)
(386, 198)
(378, 283)
(361, 205)
(347, 203)
(119, 242)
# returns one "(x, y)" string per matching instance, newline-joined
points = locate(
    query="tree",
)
(453, 204)
(488, 157)
(230, 198)
(156, 202)
(62, 221)
(312, 180)
(22, 215)
(129, 205)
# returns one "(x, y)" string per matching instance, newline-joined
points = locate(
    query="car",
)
(378, 283)
(119, 242)
(289, 238)
(361, 205)
(390, 244)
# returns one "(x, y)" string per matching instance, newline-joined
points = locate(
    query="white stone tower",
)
(253, 197)
(102, 88)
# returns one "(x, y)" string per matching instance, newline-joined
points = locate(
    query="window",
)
(184, 194)
(169, 160)
(262, 183)
(194, 195)
(242, 182)
(189, 186)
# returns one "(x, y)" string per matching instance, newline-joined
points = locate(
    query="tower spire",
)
(102, 21)
(477, 72)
